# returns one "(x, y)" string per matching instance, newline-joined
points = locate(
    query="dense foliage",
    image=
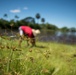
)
(30, 21)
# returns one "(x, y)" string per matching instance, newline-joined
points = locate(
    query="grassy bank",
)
(47, 58)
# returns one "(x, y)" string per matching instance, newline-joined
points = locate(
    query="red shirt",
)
(27, 30)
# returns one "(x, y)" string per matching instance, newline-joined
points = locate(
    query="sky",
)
(57, 12)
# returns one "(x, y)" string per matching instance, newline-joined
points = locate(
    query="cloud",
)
(25, 8)
(15, 11)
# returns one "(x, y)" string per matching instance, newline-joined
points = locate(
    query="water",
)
(57, 36)
(54, 36)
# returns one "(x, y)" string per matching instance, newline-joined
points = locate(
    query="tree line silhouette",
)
(30, 21)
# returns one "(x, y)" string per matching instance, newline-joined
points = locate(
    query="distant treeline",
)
(30, 21)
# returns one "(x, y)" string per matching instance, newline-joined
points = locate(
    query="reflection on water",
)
(57, 36)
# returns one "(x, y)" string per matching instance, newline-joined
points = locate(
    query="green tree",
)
(64, 29)
(38, 16)
(72, 29)
(1, 23)
(5, 15)
(30, 20)
(43, 20)
(16, 17)
(51, 26)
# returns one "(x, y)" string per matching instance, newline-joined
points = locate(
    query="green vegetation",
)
(47, 58)
(30, 21)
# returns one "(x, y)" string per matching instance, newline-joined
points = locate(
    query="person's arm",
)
(21, 36)
(21, 32)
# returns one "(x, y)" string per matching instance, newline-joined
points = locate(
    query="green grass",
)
(47, 58)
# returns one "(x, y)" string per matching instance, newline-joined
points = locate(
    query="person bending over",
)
(29, 33)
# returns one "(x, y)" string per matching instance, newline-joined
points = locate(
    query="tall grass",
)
(47, 58)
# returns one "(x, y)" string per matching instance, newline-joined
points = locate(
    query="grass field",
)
(47, 58)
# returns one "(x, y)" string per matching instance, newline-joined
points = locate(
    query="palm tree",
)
(5, 15)
(16, 17)
(43, 20)
(37, 16)
(16, 22)
(11, 25)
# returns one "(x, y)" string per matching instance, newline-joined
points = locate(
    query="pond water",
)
(51, 36)
(57, 36)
